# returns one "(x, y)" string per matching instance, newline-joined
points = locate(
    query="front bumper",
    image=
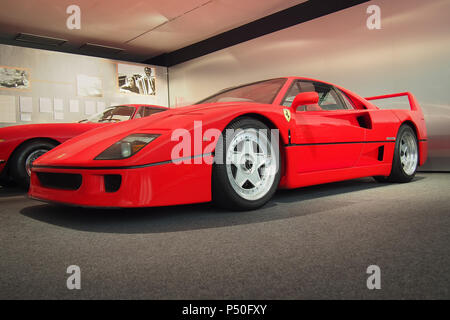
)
(160, 185)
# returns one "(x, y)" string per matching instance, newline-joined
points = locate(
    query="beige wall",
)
(410, 53)
(54, 75)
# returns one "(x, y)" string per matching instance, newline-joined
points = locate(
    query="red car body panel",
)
(14, 136)
(332, 145)
(148, 186)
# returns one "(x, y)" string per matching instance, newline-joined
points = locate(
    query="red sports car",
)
(236, 148)
(21, 145)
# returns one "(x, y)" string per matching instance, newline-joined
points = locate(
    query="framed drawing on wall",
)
(14, 78)
(136, 79)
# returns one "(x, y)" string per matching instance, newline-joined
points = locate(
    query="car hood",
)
(42, 128)
(82, 150)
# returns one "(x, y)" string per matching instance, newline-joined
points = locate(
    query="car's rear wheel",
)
(406, 157)
(23, 158)
(246, 171)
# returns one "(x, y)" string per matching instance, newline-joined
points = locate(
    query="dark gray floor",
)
(307, 243)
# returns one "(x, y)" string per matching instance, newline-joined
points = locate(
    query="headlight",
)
(127, 147)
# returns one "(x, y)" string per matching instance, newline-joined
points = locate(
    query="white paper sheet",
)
(89, 86)
(59, 115)
(74, 106)
(7, 109)
(58, 104)
(26, 117)
(89, 107)
(45, 105)
(26, 104)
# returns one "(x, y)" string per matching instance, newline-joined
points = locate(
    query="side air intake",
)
(364, 121)
(381, 153)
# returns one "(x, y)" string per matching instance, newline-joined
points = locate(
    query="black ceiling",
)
(300, 13)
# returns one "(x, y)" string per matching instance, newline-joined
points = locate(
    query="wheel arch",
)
(271, 124)
(264, 119)
(257, 116)
(413, 126)
(23, 143)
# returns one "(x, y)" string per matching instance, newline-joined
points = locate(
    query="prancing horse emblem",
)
(287, 114)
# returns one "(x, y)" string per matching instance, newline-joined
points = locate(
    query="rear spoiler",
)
(413, 104)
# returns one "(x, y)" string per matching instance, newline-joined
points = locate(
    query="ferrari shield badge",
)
(287, 114)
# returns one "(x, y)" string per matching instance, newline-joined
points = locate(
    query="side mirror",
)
(305, 98)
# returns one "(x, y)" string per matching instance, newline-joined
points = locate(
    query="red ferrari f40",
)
(236, 148)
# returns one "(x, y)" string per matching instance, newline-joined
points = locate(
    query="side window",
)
(348, 103)
(147, 111)
(329, 99)
(139, 113)
(297, 87)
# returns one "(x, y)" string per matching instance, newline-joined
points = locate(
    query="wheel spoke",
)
(254, 178)
(241, 177)
(248, 147)
(260, 160)
(235, 158)
(403, 148)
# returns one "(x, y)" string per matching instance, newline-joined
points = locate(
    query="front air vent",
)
(63, 181)
(112, 182)
(42, 40)
(97, 49)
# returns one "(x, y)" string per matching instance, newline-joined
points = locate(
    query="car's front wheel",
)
(246, 172)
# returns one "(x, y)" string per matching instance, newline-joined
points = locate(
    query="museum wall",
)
(409, 53)
(66, 87)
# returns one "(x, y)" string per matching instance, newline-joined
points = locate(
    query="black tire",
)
(398, 173)
(17, 162)
(223, 194)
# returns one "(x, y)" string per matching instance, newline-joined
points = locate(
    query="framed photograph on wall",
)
(89, 86)
(136, 79)
(14, 78)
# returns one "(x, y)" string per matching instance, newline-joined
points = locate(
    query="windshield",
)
(112, 114)
(260, 92)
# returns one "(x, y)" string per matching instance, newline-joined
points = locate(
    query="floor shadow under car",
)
(11, 192)
(198, 216)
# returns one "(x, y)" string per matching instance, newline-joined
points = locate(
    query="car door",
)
(329, 134)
